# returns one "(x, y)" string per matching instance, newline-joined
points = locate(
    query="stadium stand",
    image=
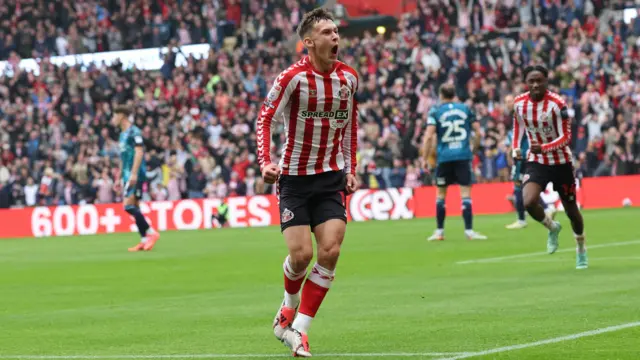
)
(58, 146)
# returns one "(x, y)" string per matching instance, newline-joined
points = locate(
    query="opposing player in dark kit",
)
(133, 174)
(449, 124)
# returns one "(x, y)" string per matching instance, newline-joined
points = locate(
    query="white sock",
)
(143, 240)
(469, 232)
(302, 323)
(291, 300)
(439, 231)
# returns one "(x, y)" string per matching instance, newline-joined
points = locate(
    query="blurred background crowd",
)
(58, 146)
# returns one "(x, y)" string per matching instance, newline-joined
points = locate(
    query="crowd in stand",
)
(58, 146)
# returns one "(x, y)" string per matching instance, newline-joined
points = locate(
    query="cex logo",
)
(390, 204)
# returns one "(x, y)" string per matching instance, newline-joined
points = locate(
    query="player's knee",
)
(301, 257)
(572, 210)
(330, 252)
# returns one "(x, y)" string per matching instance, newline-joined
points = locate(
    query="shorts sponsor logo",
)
(287, 215)
(525, 178)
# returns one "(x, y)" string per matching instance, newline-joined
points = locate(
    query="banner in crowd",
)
(254, 211)
(143, 59)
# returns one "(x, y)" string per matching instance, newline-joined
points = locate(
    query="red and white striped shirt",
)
(320, 117)
(546, 123)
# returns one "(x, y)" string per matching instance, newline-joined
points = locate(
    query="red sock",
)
(292, 281)
(315, 289)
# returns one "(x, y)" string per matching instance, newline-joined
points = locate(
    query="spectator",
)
(31, 192)
(196, 183)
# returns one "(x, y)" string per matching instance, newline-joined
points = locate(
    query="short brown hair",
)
(122, 109)
(448, 91)
(311, 18)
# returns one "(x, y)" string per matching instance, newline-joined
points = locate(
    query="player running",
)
(543, 115)
(451, 122)
(517, 174)
(315, 99)
(133, 174)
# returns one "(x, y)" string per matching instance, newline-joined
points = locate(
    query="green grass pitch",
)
(213, 294)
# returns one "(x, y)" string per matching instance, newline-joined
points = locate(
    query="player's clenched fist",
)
(352, 184)
(270, 173)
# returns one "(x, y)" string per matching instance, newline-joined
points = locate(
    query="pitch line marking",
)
(219, 356)
(518, 256)
(555, 260)
(545, 342)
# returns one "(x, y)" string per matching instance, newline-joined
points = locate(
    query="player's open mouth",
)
(334, 50)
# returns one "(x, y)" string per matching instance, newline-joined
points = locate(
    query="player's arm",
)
(138, 146)
(272, 107)
(350, 144)
(477, 129)
(563, 124)
(429, 140)
(518, 133)
(350, 138)
(509, 152)
(477, 138)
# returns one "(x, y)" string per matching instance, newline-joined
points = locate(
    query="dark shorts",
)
(135, 190)
(562, 177)
(312, 199)
(454, 172)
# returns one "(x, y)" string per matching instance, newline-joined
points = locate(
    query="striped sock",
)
(313, 293)
(292, 284)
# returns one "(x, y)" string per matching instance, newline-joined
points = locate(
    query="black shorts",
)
(562, 176)
(454, 172)
(311, 199)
